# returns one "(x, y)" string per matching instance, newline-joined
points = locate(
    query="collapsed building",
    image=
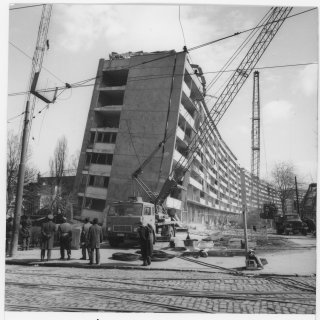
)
(138, 99)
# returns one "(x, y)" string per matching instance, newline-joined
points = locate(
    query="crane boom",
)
(272, 25)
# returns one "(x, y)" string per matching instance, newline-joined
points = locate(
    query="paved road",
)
(32, 288)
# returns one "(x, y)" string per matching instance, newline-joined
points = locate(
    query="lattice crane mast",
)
(271, 26)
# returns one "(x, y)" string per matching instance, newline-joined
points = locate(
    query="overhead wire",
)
(25, 7)
(25, 54)
(167, 55)
(142, 78)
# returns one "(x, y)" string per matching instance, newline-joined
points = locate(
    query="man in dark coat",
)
(48, 229)
(65, 238)
(95, 237)
(84, 239)
(147, 240)
(25, 232)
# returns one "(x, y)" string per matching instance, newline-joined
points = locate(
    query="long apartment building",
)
(140, 99)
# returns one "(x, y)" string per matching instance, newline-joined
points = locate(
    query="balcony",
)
(195, 183)
(186, 89)
(173, 203)
(112, 88)
(180, 134)
(187, 116)
(103, 147)
(203, 201)
(106, 129)
(178, 157)
(109, 108)
(97, 169)
(96, 192)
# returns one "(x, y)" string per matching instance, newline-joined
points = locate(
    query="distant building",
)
(138, 99)
(44, 192)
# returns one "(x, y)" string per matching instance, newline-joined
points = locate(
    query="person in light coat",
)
(95, 238)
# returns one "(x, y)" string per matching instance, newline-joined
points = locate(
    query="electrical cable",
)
(172, 53)
(184, 39)
(240, 32)
(142, 78)
(15, 46)
(25, 7)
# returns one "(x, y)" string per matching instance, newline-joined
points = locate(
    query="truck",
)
(290, 224)
(123, 217)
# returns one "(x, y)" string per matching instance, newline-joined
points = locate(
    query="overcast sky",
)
(80, 35)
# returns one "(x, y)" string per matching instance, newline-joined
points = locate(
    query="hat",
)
(50, 217)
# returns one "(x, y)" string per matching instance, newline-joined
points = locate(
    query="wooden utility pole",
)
(35, 70)
(297, 194)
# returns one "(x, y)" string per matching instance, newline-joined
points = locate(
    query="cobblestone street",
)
(114, 290)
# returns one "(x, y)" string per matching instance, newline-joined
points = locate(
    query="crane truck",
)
(123, 217)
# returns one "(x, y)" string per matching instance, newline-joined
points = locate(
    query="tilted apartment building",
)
(139, 99)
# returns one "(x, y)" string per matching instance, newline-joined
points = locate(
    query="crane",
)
(271, 26)
(36, 66)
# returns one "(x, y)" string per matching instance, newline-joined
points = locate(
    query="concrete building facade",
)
(140, 99)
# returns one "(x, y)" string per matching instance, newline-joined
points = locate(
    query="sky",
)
(81, 34)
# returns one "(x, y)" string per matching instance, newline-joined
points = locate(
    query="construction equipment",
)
(270, 27)
(308, 208)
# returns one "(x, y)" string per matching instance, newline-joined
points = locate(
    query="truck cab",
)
(124, 218)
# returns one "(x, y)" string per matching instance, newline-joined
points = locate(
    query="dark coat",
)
(95, 236)
(147, 240)
(84, 234)
(47, 235)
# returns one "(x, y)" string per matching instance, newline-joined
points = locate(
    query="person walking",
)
(9, 230)
(65, 238)
(25, 232)
(48, 229)
(95, 237)
(147, 240)
(84, 239)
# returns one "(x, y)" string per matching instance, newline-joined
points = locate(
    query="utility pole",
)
(35, 70)
(297, 194)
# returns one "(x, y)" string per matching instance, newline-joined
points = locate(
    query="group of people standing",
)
(48, 230)
(24, 233)
(90, 238)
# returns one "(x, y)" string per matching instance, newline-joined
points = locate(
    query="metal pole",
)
(20, 183)
(244, 208)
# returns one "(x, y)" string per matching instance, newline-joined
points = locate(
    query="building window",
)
(83, 183)
(101, 158)
(99, 181)
(95, 204)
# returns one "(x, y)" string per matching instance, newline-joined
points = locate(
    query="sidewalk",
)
(291, 262)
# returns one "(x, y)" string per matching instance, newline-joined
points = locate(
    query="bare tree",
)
(283, 179)
(58, 164)
(13, 158)
(74, 160)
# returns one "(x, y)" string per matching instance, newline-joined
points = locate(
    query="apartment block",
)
(140, 99)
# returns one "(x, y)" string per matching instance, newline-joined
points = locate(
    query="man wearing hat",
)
(65, 237)
(48, 229)
(95, 237)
